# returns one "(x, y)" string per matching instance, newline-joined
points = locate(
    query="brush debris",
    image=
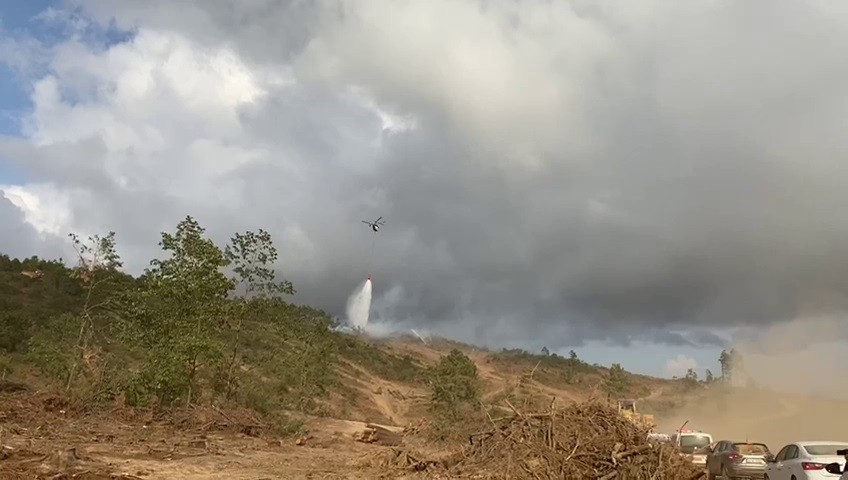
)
(581, 441)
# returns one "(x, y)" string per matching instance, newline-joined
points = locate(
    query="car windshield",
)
(750, 448)
(824, 450)
(694, 441)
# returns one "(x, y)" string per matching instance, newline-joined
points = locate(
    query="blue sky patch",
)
(48, 23)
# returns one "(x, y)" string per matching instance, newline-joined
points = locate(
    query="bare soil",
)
(42, 439)
(42, 436)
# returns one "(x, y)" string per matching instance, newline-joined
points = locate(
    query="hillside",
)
(201, 368)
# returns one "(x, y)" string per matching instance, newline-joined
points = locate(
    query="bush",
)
(455, 393)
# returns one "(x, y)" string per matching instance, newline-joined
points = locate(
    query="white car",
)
(693, 445)
(806, 461)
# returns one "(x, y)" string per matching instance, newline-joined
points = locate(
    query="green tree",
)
(454, 384)
(732, 365)
(617, 381)
(252, 257)
(545, 351)
(726, 367)
(571, 367)
(709, 377)
(15, 329)
(179, 313)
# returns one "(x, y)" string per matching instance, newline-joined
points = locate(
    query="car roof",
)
(821, 442)
(743, 442)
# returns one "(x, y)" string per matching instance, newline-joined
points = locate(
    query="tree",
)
(726, 368)
(737, 363)
(571, 368)
(709, 377)
(252, 256)
(545, 351)
(732, 364)
(691, 378)
(179, 313)
(97, 263)
(454, 383)
(617, 381)
(691, 375)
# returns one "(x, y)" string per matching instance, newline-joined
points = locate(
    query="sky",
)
(645, 183)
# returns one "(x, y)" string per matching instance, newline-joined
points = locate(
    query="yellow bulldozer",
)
(627, 408)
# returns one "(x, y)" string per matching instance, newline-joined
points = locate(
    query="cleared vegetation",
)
(205, 348)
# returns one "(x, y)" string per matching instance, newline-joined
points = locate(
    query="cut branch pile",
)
(206, 418)
(586, 440)
(582, 441)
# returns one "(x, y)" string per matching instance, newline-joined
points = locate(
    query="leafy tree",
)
(732, 364)
(709, 377)
(454, 383)
(545, 351)
(252, 256)
(617, 381)
(179, 313)
(726, 368)
(571, 367)
(15, 328)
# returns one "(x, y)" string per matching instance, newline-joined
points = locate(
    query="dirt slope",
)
(39, 436)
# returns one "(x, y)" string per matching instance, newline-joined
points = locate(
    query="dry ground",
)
(42, 438)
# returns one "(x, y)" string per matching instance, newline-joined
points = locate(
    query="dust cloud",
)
(789, 387)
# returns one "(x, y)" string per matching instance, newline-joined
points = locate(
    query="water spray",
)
(359, 305)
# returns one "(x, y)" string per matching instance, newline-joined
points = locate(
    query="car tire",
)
(711, 476)
(724, 474)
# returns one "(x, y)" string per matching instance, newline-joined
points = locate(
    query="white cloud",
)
(679, 365)
(565, 169)
(44, 207)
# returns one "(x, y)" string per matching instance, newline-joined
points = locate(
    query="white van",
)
(693, 444)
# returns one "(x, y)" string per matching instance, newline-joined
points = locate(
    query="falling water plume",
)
(359, 304)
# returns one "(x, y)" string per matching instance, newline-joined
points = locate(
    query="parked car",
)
(731, 459)
(693, 444)
(806, 461)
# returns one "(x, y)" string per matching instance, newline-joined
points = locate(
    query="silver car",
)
(731, 460)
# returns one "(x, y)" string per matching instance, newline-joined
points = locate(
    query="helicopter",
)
(376, 224)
